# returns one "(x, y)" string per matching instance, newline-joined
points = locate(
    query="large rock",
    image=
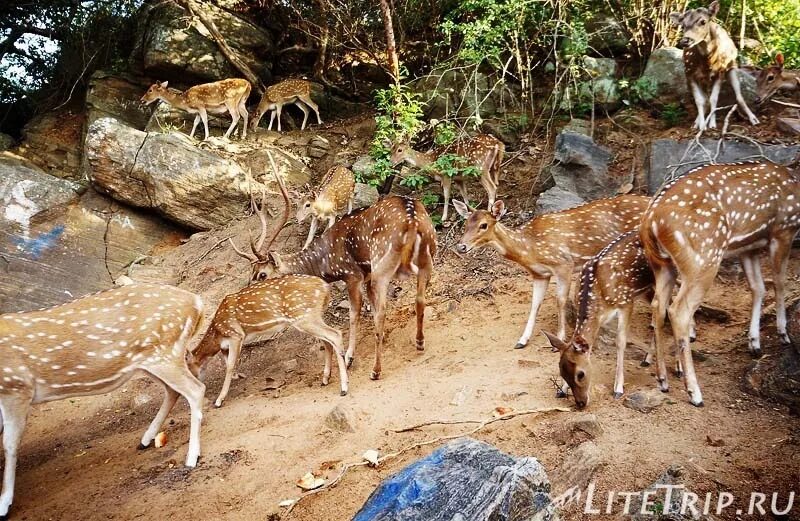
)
(166, 172)
(116, 96)
(6, 142)
(556, 199)
(606, 35)
(465, 479)
(578, 467)
(582, 167)
(453, 92)
(172, 45)
(57, 243)
(666, 73)
(601, 87)
(669, 158)
(365, 195)
(52, 141)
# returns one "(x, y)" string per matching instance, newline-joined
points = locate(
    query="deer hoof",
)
(756, 353)
(421, 346)
(561, 394)
(374, 376)
(343, 393)
(698, 405)
(644, 363)
(617, 396)
(678, 374)
(350, 362)
(663, 385)
(141, 446)
(519, 345)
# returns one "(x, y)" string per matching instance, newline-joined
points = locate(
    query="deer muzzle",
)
(462, 248)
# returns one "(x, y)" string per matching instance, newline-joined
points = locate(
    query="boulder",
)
(556, 199)
(363, 166)
(172, 45)
(166, 172)
(52, 141)
(340, 419)
(790, 126)
(606, 35)
(582, 167)
(584, 422)
(666, 72)
(668, 158)
(59, 242)
(116, 96)
(602, 83)
(465, 479)
(365, 195)
(453, 92)
(6, 142)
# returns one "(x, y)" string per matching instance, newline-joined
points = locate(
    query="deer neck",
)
(323, 207)
(419, 159)
(176, 99)
(509, 243)
(314, 260)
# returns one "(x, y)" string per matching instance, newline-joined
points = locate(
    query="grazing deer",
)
(774, 78)
(710, 213)
(392, 238)
(209, 98)
(283, 93)
(333, 195)
(270, 306)
(483, 151)
(93, 345)
(709, 55)
(552, 245)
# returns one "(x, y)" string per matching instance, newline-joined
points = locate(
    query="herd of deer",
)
(624, 247)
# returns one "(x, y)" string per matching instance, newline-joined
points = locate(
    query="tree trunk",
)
(322, 53)
(227, 51)
(391, 48)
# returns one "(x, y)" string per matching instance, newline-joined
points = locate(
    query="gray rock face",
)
(363, 166)
(667, 154)
(52, 141)
(173, 46)
(606, 35)
(365, 195)
(118, 97)
(58, 242)
(602, 87)
(665, 70)
(556, 199)
(582, 167)
(464, 480)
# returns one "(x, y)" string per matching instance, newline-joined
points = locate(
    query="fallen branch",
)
(786, 104)
(481, 424)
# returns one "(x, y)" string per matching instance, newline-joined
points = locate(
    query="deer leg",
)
(752, 270)
(350, 203)
(311, 231)
(204, 117)
(278, 109)
(623, 320)
(234, 348)
(272, 119)
(378, 288)
(712, 100)
(737, 90)
(354, 296)
(14, 409)
(170, 397)
(562, 297)
(665, 281)
(245, 115)
(194, 125)
(462, 187)
(234, 112)
(305, 114)
(308, 101)
(179, 378)
(539, 289)
(333, 344)
(447, 184)
(779, 249)
(331, 221)
(486, 180)
(425, 266)
(700, 103)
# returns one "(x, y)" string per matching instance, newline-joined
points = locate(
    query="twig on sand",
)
(393, 455)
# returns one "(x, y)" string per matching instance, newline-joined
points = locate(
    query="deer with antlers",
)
(334, 194)
(209, 98)
(94, 345)
(551, 245)
(694, 222)
(483, 151)
(774, 78)
(268, 307)
(709, 55)
(370, 247)
(287, 92)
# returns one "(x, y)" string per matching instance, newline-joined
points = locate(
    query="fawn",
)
(283, 93)
(333, 195)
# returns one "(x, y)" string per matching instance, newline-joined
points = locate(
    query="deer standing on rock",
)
(483, 151)
(333, 195)
(694, 222)
(209, 98)
(94, 345)
(552, 245)
(371, 247)
(709, 55)
(285, 93)
(270, 306)
(774, 78)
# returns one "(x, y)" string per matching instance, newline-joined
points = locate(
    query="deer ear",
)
(499, 209)
(164, 84)
(556, 342)
(779, 60)
(461, 208)
(675, 18)
(713, 8)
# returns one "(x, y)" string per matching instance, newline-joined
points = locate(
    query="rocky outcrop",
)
(118, 97)
(582, 167)
(602, 83)
(556, 199)
(669, 158)
(172, 45)
(6, 142)
(52, 141)
(606, 35)
(168, 173)
(59, 241)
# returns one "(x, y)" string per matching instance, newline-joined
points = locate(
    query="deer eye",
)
(483, 226)
(702, 22)
(580, 376)
(770, 77)
(262, 276)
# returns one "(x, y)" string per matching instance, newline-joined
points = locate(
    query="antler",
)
(286, 206)
(249, 256)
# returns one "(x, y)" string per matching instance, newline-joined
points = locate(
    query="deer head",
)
(265, 265)
(155, 92)
(769, 80)
(400, 151)
(695, 23)
(480, 225)
(575, 366)
(306, 204)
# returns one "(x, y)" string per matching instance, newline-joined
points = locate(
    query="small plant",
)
(429, 199)
(445, 133)
(414, 180)
(672, 114)
(453, 165)
(642, 90)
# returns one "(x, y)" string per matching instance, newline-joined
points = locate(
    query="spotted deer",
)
(334, 194)
(394, 238)
(209, 98)
(551, 245)
(774, 78)
(709, 55)
(269, 307)
(482, 151)
(94, 345)
(285, 93)
(694, 222)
